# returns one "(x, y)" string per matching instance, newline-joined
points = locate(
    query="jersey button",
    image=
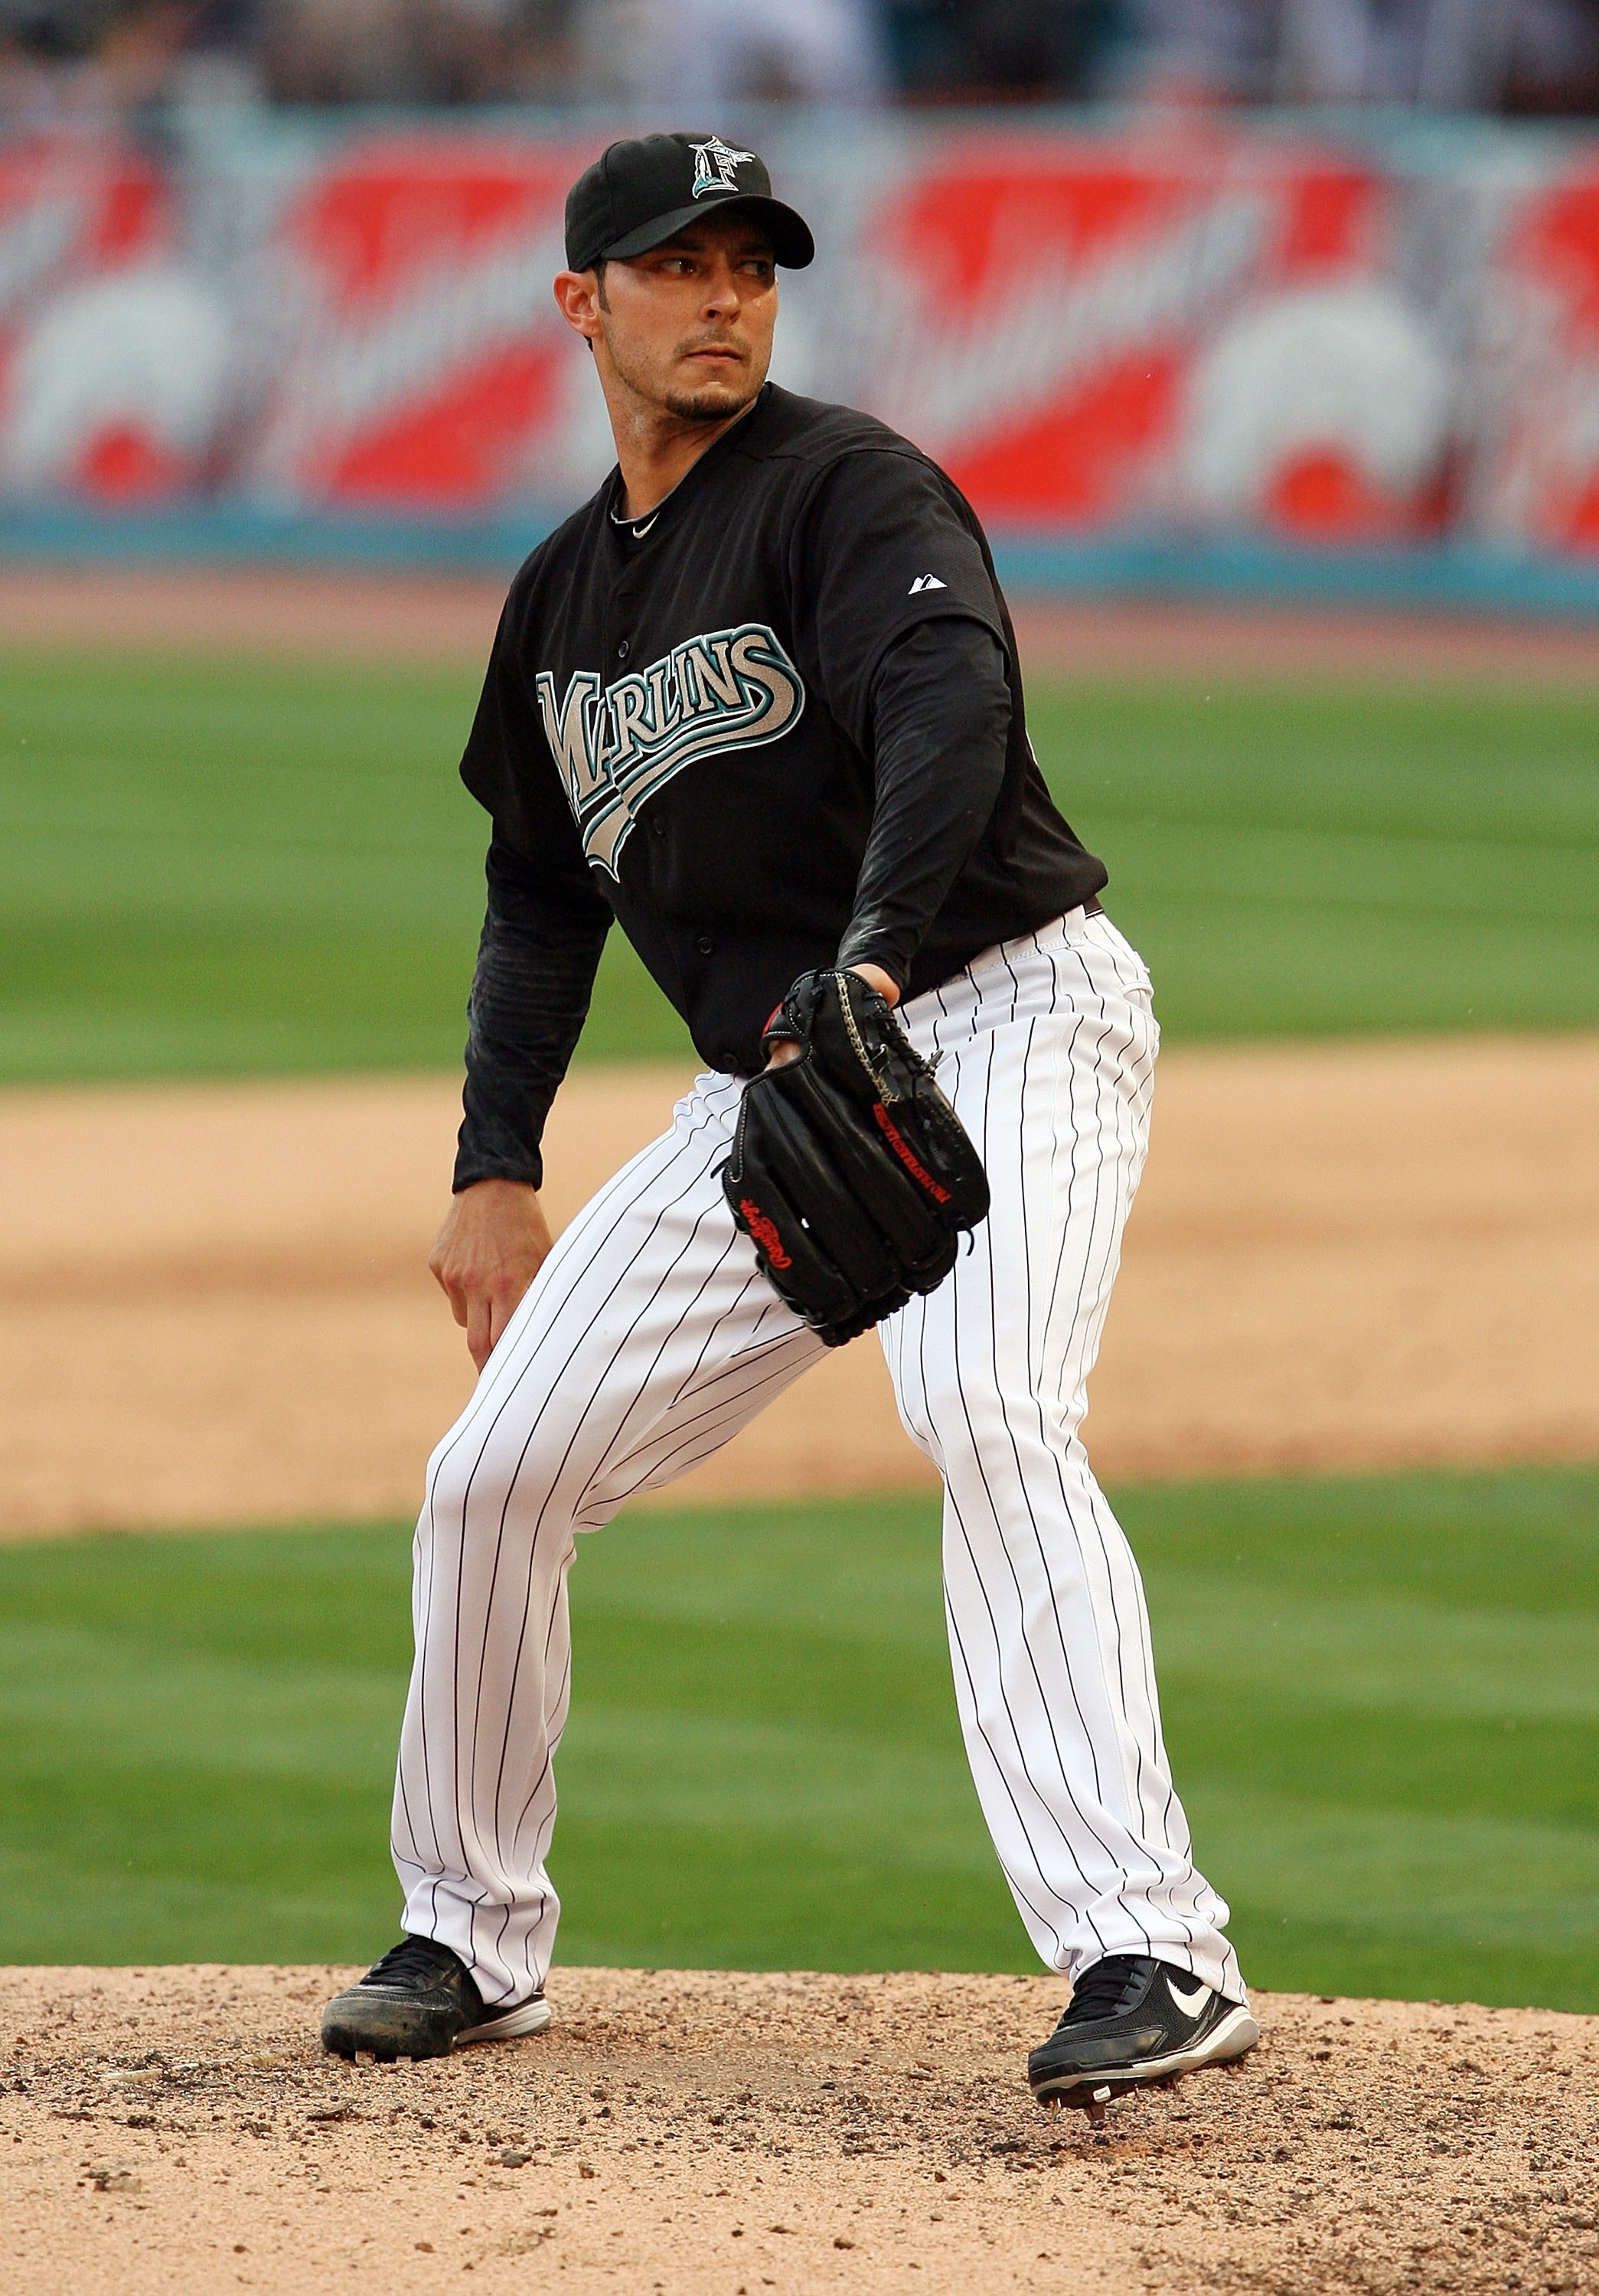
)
(705, 945)
(624, 648)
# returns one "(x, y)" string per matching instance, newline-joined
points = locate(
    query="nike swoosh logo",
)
(1190, 2003)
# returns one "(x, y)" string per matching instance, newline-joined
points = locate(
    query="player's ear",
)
(577, 300)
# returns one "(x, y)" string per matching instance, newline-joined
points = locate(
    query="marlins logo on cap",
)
(714, 162)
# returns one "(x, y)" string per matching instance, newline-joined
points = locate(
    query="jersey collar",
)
(636, 528)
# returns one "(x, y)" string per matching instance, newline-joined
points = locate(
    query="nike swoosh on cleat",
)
(1190, 2003)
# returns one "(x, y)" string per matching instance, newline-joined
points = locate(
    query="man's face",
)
(688, 326)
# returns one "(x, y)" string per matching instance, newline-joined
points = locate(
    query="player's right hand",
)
(494, 1242)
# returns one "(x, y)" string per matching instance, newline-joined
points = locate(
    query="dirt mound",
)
(1342, 1257)
(177, 2130)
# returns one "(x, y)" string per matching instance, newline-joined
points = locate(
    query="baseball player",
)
(758, 702)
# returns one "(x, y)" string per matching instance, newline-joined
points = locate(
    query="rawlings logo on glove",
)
(850, 1172)
(886, 1124)
(755, 1223)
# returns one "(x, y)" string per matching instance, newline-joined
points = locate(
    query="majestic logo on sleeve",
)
(729, 690)
(714, 163)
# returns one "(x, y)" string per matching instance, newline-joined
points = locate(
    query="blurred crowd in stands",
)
(60, 59)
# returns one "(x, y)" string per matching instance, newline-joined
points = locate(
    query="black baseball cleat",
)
(420, 2001)
(1133, 2020)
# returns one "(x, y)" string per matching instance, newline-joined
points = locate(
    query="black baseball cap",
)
(641, 191)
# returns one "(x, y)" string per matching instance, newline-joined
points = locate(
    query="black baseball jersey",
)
(678, 727)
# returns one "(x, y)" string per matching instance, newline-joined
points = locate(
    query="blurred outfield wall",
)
(1176, 351)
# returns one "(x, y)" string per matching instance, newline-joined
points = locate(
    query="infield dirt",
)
(213, 1302)
(214, 1307)
(177, 2130)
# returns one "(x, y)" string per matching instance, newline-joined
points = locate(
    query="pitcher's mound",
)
(177, 2130)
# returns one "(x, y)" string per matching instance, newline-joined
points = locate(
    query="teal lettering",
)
(726, 689)
(630, 703)
(567, 731)
(715, 681)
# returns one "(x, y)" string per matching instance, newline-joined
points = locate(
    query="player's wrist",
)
(874, 977)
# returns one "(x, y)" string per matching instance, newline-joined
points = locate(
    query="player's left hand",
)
(494, 1242)
(876, 978)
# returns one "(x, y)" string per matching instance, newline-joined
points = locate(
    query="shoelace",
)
(1110, 1986)
(414, 1961)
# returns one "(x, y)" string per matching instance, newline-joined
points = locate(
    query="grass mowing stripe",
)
(226, 868)
(230, 869)
(1378, 1693)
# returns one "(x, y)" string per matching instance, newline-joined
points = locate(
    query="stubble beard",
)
(713, 402)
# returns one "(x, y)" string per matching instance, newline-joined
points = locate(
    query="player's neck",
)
(656, 450)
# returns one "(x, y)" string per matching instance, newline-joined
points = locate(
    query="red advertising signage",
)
(422, 358)
(1092, 335)
(1209, 331)
(85, 223)
(1533, 373)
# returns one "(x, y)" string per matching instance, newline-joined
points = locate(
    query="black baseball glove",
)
(850, 1172)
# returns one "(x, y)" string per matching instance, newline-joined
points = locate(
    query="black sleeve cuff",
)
(872, 940)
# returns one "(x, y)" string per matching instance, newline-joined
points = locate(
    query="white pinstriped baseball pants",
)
(649, 1338)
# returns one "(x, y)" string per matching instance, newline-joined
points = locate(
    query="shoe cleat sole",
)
(365, 2024)
(1233, 2037)
(516, 2025)
(388, 2030)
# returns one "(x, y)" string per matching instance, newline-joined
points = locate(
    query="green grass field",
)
(213, 869)
(1383, 1699)
(1381, 1695)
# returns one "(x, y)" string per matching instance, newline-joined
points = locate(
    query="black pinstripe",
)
(748, 1348)
(1108, 1077)
(1031, 1656)
(649, 1338)
(588, 1221)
